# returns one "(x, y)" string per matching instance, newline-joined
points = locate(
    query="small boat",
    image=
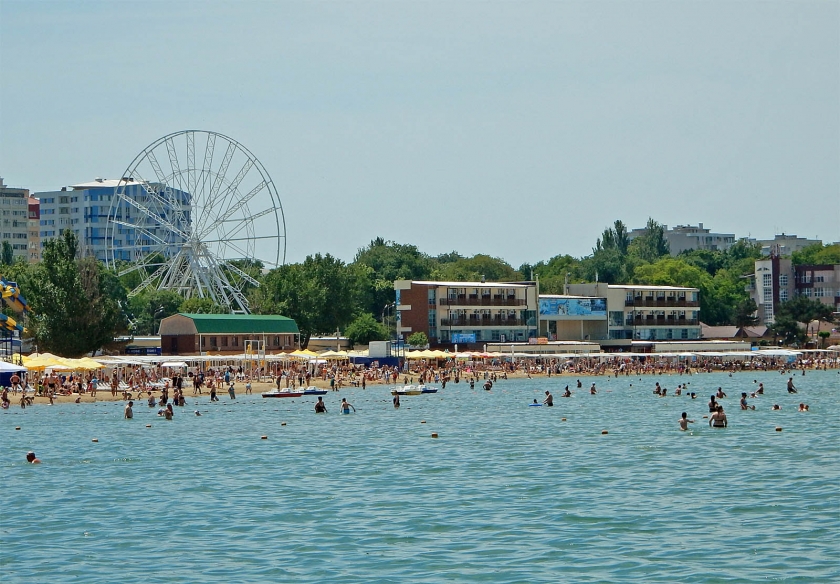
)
(426, 389)
(312, 390)
(406, 390)
(283, 393)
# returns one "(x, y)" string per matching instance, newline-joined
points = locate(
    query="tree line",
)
(80, 306)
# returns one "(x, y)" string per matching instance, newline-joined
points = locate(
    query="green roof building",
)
(193, 334)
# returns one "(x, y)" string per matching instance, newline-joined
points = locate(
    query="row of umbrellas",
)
(41, 361)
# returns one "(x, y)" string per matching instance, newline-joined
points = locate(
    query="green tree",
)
(553, 274)
(823, 335)
(387, 261)
(148, 308)
(745, 313)
(364, 329)
(77, 304)
(418, 339)
(196, 305)
(7, 254)
(789, 330)
(651, 245)
(817, 254)
(475, 268)
(320, 295)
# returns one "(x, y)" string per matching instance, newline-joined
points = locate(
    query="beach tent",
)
(6, 367)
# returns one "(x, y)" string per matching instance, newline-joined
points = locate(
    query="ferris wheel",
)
(197, 213)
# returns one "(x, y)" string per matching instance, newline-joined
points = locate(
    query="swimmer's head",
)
(30, 456)
(684, 415)
(546, 393)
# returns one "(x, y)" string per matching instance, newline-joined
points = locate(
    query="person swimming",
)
(31, 458)
(803, 407)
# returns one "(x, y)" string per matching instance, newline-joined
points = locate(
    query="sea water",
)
(506, 493)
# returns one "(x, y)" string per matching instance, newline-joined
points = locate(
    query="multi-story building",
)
(468, 314)
(770, 285)
(573, 318)
(14, 219)
(84, 209)
(777, 280)
(645, 313)
(820, 282)
(34, 235)
(685, 237)
(784, 245)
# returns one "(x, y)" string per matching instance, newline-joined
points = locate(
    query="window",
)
(783, 295)
(819, 292)
(213, 342)
(224, 341)
(807, 292)
(767, 280)
(783, 280)
(819, 278)
(768, 296)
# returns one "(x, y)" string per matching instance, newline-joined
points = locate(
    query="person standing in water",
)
(549, 399)
(790, 386)
(320, 406)
(396, 401)
(718, 419)
(129, 413)
(684, 422)
(345, 406)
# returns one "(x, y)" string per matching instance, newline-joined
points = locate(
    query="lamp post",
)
(382, 317)
(159, 312)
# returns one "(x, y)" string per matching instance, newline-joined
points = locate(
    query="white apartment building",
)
(784, 245)
(84, 209)
(686, 237)
(645, 313)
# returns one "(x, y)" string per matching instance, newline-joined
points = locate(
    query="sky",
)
(520, 130)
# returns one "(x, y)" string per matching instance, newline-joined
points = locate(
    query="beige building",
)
(14, 219)
(645, 313)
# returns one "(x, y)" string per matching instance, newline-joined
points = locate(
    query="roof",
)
(242, 323)
(653, 288)
(570, 296)
(103, 183)
(475, 284)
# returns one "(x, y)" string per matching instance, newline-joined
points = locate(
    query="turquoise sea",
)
(507, 493)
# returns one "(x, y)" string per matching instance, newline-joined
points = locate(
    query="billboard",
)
(463, 338)
(573, 308)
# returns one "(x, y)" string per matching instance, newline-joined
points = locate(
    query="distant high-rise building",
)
(14, 221)
(84, 208)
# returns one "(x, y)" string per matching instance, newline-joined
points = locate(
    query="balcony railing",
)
(494, 322)
(483, 301)
(643, 321)
(662, 302)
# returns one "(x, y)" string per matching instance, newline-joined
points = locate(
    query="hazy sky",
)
(520, 130)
